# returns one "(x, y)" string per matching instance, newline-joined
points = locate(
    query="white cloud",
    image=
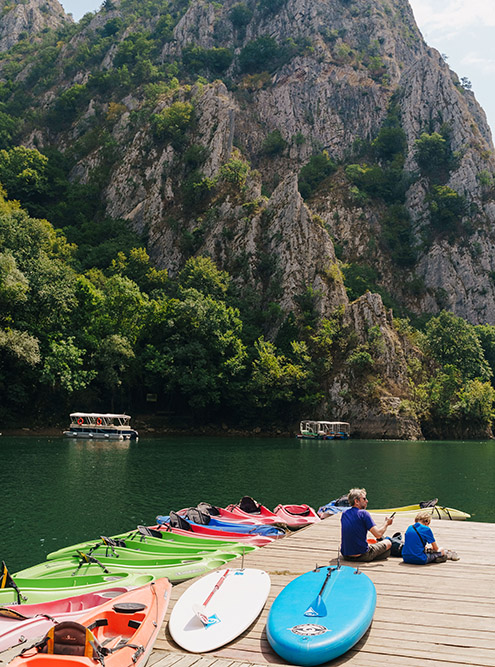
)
(447, 16)
(486, 65)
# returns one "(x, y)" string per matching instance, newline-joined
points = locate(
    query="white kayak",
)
(217, 608)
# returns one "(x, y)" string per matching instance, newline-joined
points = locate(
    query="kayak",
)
(210, 514)
(43, 589)
(121, 633)
(206, 531)
(107, 546)
(217, 608)
(296, 516)
(436, 511)
(249, 508)
(175, 569)
(321, 614)
(21, 622)
(178, 521)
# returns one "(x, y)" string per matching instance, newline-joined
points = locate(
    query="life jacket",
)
(249, 505)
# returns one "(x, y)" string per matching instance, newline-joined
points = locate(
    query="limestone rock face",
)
(340, 71)
(28, 18)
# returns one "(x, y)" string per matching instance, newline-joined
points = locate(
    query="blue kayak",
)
(321, 615)
(230, 527)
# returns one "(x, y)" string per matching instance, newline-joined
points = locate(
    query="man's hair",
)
(423, 517)
(354, 494)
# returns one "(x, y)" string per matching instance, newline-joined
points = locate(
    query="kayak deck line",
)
(438, 614)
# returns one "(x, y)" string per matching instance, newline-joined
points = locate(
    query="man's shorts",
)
(377, 551)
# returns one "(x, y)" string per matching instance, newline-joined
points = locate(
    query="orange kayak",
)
(118, 633)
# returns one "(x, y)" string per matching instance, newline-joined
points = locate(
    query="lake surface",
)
(57, 491)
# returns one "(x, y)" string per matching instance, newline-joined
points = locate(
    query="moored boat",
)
(100, 426)
(323, 430)
(117, 634)
(296, 516)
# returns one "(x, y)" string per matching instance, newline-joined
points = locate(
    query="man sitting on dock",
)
(355, 524)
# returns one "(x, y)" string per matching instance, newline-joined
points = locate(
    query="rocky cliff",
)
(262, 88)
(25, 19)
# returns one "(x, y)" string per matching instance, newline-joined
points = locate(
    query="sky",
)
(464, 31)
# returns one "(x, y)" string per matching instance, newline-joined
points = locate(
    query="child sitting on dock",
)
(418, 537)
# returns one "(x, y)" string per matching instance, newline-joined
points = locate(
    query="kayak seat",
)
(428, 503)
(176, 521)
(249, 505)
(144, 531)
(196, 516)
(297, 510)
(69, 638)
(208, 509)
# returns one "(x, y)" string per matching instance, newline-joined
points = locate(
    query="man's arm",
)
(380, 531)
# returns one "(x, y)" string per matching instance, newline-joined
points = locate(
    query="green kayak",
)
(175, 569)
(57, 588)
(149, 546)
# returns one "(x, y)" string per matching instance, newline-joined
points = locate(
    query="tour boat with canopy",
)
(103, 426)
(322, 430)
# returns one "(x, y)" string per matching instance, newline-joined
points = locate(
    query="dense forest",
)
(89, 320)
(91, 325)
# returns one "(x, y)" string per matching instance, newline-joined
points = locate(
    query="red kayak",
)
(204, 531)
(248, 508)
(296, 516)
(118, 633)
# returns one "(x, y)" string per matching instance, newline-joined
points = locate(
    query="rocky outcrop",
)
(28, 18)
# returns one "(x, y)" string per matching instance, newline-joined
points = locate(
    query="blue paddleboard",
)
(308, 626)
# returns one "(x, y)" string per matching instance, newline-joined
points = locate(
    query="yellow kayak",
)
(437, 512)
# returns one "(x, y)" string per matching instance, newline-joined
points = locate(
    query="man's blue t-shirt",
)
(355, 524)
(413, 550)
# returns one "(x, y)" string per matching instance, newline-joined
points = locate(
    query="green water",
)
(58, 491)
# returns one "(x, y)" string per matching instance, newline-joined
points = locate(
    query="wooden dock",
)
(437, 615)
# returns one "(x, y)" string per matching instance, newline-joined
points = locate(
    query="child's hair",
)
(423, 517)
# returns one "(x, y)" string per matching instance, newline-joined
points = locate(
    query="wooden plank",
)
(435, 615)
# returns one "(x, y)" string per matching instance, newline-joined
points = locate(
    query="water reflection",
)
(59, 491)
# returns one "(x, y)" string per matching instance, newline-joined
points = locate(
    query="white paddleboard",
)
(234, 598)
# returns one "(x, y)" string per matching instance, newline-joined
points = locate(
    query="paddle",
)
(317, 607)
(200, 610)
